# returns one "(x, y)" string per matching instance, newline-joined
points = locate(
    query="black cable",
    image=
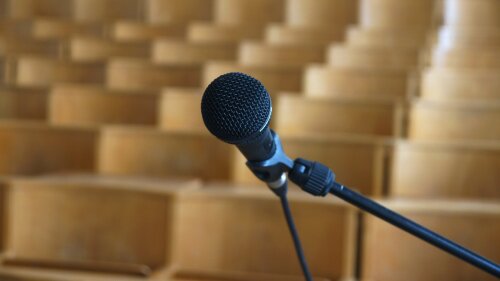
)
(295, 235)
(415, 229)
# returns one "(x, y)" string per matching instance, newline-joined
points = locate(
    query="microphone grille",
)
(236, 107)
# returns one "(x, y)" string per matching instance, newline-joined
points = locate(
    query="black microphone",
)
(236, 108)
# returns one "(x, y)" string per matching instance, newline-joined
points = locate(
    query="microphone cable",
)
(293, 230)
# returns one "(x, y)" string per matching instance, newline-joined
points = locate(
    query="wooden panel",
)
(94, 105)
(17, 46)
(15, 27)
(390, 254)
(23, 103)
(132, 227)
(302, 115)
(179, 110)
(432, 170)
(56, 28)
(27, 9)
(215, 275)
(466, 57)
(469, 36)
(472, 13)
(275, 79)
(185, 52)
(396, 14)
(382, 37)
(147, 152)
(252, 12)
(3, 68)
(320, 12)
(467, 120)
(345, 56)
(42, 71)
(222, 33)
(168, 11)
(138, 74)
(263, 54)
(137, 31)
(31, 148)
(456, 83)
(329, 81)
(357, 162)
(106, 10)
(297, 35)
(262, 243)
(98, 49)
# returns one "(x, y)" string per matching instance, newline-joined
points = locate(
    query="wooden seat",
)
(446, 120)
(18, 46)
(466, 57)
(46, 28)
(139, 74)
(129, 236)
(172, 11)
(383, 37)
(209, 32)
(460, 83)
(275, 79)
(33, 148)
(179, 110)
(3, 69)
(469, 37)
(184, 52)
(390, 254)
(15, 27)
(265, 54)
(94, 105)
(44, 71)
(347, 156)
(23, 103)
(223, 212)
(482, 13)
(445, 170)
(106, 10)
(300, 115)
(346, 56)
(28, 9)
(330, 81)
(148, 152)
(251, 12)
(322, 13)
(298, 35)
(139, 31)
(395, 13)
(98, 49)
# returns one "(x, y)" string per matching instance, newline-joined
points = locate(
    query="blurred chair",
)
(23, 103)
(179, 110)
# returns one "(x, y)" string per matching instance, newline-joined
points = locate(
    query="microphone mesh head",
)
(236, 108)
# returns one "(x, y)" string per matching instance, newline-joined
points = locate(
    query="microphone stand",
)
(317, 179)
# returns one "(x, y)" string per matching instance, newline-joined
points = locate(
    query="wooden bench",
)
(390, 254)
(19, 46)
(349, 157)
(329, 81)
(482, 13)
(459, 120)
(460, 84)
(179, 110)
(469, 36)
(149, 152)
(139, 31)
(237, 230)
(73, 104)
(356, 57)
(297, 35)
(172, 11)
(268, 54)
(141, 74)
(23, 103)
(382, 37)
(185, 52)
(29, 148)
(46, 28)
(396, 14)
(106, 10)
(275, 79)
(479, 57)
(300, 115)
(252, 12)
(209, 32)
(445, 170)
(28, 9)
(45, 71)
(94, 49)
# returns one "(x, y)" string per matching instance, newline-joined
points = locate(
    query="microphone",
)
(237, 108)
